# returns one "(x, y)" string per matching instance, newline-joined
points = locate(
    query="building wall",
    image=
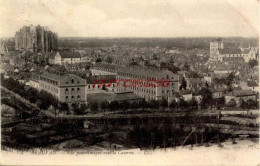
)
(65, 90)
(156, 93)
(34, 84)
(238, 99)
(101, 72)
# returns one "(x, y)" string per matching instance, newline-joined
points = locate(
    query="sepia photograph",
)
(129, 82)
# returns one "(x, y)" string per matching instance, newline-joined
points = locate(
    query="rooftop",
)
(69, 54)
(238, 93)
(230, 51)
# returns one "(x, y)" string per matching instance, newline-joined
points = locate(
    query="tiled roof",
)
(69, 54)
(252, 84)
(195, 81)
(35, 77)
(105, 66)
(92, 79)
(185, 92)
(238, 93)
(148, 72)
(54, 76)
(230, 51)
(182, 72)
(51, 55)
(221, 89)
(246, 51)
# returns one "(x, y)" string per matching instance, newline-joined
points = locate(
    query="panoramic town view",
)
(100, 94)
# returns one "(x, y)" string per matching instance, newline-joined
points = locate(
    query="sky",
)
(133, 18)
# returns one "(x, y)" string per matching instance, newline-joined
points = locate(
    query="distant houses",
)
(66, 57)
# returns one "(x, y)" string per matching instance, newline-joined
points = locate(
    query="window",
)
(72, 81)
(72, 98)
(78, 89)
(67, 82)
(78, 96)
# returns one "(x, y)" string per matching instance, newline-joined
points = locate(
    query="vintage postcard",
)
(129, 82)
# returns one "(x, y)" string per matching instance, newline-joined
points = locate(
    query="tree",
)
(251, 104)
(183, 84)
(82, 108)
(43, 105)
(75, 108)
(109, 59)
(232, 103)
(194, 104)
(183, 103)
(253, 63)
(154, 104)
(186, 67)
(193, 74)
(98, 60)
(164, 103)
(134, 105)
(173, 68)
(94, 107)
(125, 105)
(114, 105)
(230, 78)
(173, 104)
(163, 65)
(104, 105)
(243, 104)
(206, 98)
(64, 106)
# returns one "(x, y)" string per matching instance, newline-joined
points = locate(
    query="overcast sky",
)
(133, 18)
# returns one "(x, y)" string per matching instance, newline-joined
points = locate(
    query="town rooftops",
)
(182, 72)
(147, 72)
(51, 55)
(217, 40)
(105, 66)
(53, 76)
(246, 51)
(99, 79)
(35, 77)
(252, 83)
(185, 92)
(69, 54)
(194, 81)
(220, 89)
(239, 93)
(230, 51)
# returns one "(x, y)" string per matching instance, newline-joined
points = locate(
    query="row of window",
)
(72, 90)
(49, 88)
(99, 86)
(73, 98)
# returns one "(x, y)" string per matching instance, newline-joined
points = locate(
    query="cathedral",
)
(219, 53)
(36, 39)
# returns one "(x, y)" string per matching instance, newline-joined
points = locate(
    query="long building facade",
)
(154, 92)
(36, 39)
